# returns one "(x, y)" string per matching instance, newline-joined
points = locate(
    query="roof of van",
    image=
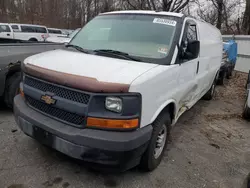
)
(24, 24)
(145, 12)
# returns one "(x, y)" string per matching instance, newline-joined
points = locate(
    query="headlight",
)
(113, 104)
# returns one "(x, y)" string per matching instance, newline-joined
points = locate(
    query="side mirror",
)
(191, 52)
(193, 49)
(66, 43)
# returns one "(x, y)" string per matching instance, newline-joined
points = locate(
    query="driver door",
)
(189, 68)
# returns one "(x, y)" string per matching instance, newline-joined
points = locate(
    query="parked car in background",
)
(26, 32)
(63, 39)
(111, 96)
(230, 52)
(67, 31)
(12, 54)
(53, 32)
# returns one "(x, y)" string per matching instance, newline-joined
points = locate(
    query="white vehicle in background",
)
(67, 31)
(63, 39)
(53, 32)
(25, 32)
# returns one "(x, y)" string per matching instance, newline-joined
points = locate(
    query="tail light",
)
(45, 36)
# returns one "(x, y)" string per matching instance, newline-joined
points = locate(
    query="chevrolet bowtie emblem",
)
(48, 99)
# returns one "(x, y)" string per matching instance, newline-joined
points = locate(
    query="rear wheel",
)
(222, 78)
(158, 143)
(210, 94)
(12, 89)
(33, 40)
(246, 112)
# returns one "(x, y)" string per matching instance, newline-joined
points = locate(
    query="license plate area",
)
(43, 136)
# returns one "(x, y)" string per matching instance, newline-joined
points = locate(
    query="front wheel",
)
(158, 143)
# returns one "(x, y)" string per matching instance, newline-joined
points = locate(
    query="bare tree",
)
(246, 20)
(165, 5)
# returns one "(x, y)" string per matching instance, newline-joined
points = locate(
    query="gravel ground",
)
(210, 149)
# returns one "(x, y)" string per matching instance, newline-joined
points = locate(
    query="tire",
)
(210, 94)
(248, 80)
(33, 40)
(151, 159)
(222, 78)
(229, 75)
(229, 72)
(12, 89)
(246, 112)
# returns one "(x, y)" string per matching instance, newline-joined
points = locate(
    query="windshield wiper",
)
(80, 49)
(120, 54)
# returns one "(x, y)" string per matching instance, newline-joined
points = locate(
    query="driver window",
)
(190, 34)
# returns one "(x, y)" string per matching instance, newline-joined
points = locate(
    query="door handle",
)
(8, 34)
(198, 67)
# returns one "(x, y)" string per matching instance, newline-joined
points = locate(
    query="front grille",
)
(62, 92)
(55, 112)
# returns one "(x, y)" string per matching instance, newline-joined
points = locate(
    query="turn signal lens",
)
(21, 92)
(112, 124)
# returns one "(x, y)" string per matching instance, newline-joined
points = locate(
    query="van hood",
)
(103, 69)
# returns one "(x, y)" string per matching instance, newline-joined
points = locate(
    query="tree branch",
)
(130, 4)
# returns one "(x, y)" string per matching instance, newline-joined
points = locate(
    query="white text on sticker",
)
(163, 50)
(164, 21)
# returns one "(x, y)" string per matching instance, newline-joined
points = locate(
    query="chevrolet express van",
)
(113, 94)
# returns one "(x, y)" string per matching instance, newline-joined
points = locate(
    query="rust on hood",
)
(74, 81)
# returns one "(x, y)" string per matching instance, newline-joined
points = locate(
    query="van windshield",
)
(148, 37)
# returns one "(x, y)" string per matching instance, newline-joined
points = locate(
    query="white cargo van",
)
(23, 32)
(113, 94)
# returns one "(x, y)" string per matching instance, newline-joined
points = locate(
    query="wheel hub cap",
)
(160, 142)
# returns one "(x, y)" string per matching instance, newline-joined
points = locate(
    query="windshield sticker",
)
(163, 50)
(164, 21)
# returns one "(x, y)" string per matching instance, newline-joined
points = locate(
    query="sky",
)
(239, 9)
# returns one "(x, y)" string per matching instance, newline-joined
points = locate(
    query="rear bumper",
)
(122, 150)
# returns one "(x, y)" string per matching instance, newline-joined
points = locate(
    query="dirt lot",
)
(210, 148)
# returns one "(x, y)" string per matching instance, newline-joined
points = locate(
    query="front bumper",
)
(122, 150)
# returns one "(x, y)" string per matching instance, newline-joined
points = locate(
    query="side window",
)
(192, 33)
(40, 29)
(15, 28)
(53, 31)
(27, 29)
(189, 35)
(58, 32)
(4, 28)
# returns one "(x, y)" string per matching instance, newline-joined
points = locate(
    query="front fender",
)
(162, 107)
